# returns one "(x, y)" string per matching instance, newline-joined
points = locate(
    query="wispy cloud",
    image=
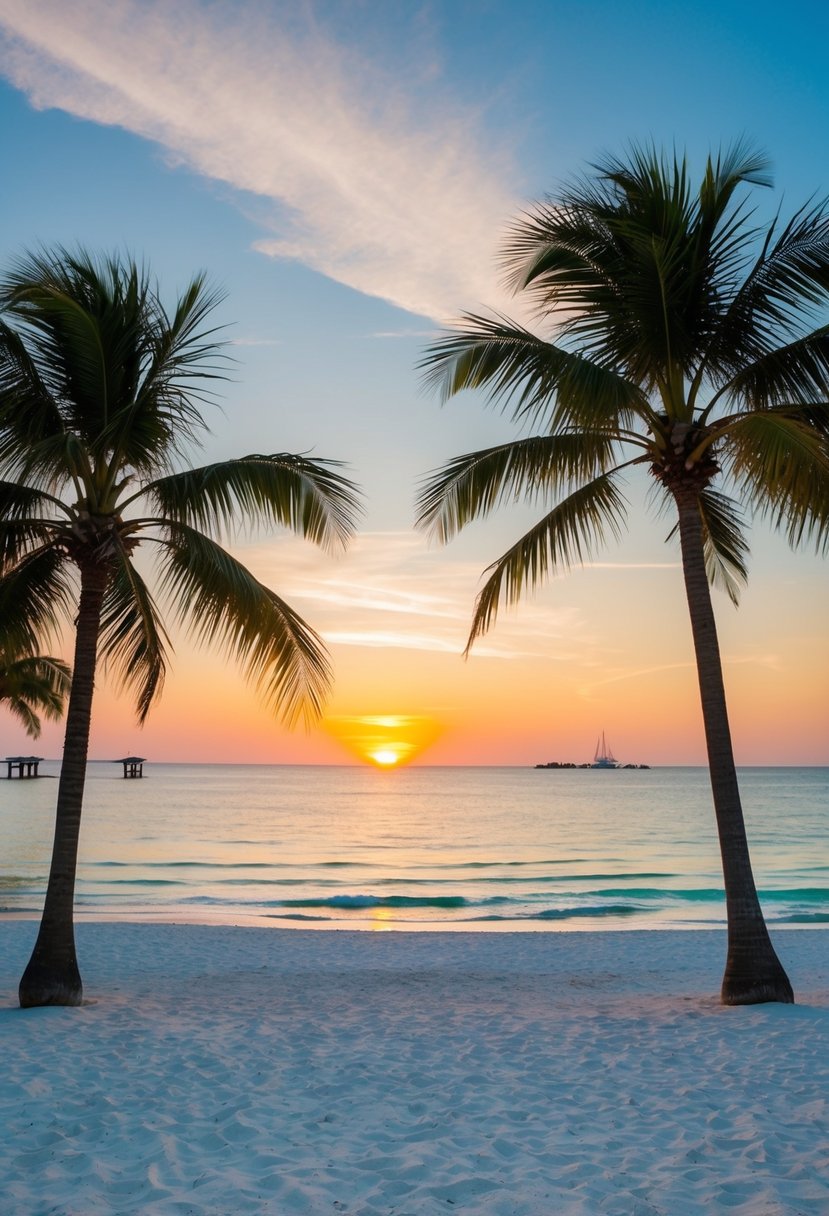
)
(384, 640)
(768, 661)
(382, 594)
(393, 188)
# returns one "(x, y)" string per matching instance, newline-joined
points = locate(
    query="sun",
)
(385, 757)
(385, 740)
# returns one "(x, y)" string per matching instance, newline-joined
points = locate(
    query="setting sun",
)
(385, 757)
(385, 740)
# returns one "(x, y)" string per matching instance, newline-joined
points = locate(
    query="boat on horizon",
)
(604, 757)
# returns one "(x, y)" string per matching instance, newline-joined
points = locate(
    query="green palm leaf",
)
(783, 464)
(787, 282)
(565, 537)
(67, 333)
(309, 497)
(24, 713)
(178, 358)
(471, 486)
(35, 595)
(24, 521)
(535, 381)
(223, 602)
(796, 371)
(28, 411)
(19, 537)
(726, 549)
(133, 640)
(99, 341)
(33, 683)
(21, 502)
(635, 267)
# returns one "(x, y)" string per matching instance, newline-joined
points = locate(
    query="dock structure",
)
(21, 763)
(133, 765)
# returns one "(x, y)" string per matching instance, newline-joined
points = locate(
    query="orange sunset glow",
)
(385, 740)
(607, 648)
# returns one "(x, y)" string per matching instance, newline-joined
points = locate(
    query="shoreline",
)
(221, 1069)
(272, 922)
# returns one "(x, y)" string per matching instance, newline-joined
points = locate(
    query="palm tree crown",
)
(688, 340)
(681, 347)
(100, 396)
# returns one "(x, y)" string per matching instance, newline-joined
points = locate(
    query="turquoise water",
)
(470, 848)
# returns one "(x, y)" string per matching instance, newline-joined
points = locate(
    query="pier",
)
(29, 763)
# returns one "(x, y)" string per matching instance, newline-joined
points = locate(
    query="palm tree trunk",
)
(753, 972)
(52, 976)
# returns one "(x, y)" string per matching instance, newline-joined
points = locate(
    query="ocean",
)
(418, 848)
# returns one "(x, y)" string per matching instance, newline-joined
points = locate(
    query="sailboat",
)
(604, 757)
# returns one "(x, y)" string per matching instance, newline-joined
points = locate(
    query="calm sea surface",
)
(425, 848)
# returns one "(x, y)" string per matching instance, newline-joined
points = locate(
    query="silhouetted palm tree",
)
(100, 389)
(686, 343)
(33, 684)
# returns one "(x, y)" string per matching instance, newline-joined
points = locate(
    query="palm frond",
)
(797, 371)
(24, 713)
(22, 523)
(533, 380)
(67, 306)
(180, 357)
(619, 287)
(471, 486)
(556, 252)
(565, 537)
(23, 502)
(31, 683)
(133, 640)
(19, 537)
(308, 496)
(740, 162)
(28, 411)
(223, 602)
(724, 541)
(35, 596)
(782, 464)
(785, 287)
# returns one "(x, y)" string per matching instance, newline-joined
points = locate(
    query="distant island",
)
(569, 764)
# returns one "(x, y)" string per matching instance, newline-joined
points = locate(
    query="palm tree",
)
(686, 343)
(100, 389)
(32, 683)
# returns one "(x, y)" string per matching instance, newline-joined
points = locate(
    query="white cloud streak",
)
(374, 596)
(390, 188)
(765, 661)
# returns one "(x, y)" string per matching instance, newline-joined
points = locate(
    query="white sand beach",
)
(241, 1070)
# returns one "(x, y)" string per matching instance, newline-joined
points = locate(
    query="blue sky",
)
(344, 171)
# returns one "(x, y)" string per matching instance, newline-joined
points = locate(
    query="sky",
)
(345, 172)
